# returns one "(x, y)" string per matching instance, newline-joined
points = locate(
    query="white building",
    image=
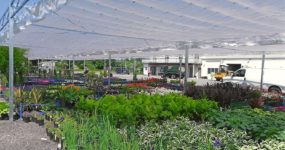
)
(205, 66)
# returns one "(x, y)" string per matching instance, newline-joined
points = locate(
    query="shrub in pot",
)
(255, 100)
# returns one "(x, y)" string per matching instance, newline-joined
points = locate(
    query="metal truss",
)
(17, 6)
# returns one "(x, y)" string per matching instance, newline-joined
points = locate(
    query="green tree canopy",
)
(20, 62)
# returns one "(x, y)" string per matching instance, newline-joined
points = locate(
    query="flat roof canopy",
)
(90, 29)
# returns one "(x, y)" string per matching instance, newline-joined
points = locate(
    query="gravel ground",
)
(24, 136)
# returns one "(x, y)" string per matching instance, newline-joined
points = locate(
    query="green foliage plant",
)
(182, 133)
(139, 108)
(4, 108)
(256, 122)
(95, 133)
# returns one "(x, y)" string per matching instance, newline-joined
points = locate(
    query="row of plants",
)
(183, 134)
(34, 116)
(94, 131)
(226, 93)
(139, 108)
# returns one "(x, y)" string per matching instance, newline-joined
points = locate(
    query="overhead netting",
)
(143, 28)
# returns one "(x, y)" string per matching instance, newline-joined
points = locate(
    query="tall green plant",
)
(36, 95)
(95, 133)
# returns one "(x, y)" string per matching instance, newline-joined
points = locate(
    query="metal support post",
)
(109, 71)
(135, 68)
(262, 71)
(11, 61)
(73, 66)
(180, 65)
(21, 111)
(193, 70)
(186, 66)
(38, 67)
(84, 65)
(28, 69)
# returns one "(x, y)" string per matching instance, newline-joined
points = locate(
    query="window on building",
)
(215, 70)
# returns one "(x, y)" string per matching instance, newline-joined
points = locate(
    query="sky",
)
(5, 3)
(3, 6)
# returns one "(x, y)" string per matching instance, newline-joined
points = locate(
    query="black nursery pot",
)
(4, 117)
(27, 119)
(47, 117)
(51, 136)
(55, 124)
(48, 133)
(40, 122)
(33, 119)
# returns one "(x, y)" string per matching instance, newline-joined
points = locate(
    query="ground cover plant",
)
(183, 134)
(259, 124)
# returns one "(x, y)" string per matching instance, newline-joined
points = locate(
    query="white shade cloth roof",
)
(90, 29)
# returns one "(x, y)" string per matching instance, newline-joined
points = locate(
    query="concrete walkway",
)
(24, 136)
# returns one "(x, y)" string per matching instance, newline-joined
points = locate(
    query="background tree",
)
(20, 63)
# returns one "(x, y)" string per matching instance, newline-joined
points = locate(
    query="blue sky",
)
(3, 6)
(5, 3)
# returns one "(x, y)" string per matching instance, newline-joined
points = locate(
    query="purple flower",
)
(217, 143)
(61, 118)
(41, 113)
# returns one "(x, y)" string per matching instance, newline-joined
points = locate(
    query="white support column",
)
(180, 65)
(28, 69)
(109, 71)
(73, 64)
(186, 66)
(69, 68)
(84, 65)
(38, 67)
(193, 70)
(11, 62)
(135, 68)
(262, 71)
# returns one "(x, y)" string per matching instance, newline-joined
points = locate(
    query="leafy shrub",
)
(254, 99)
(175, 81)
(223, 93)
(258, 123)
(140, 108)
(70, 95)
(4, 108)
(185, 134)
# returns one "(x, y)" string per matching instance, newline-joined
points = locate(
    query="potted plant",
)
(255, 100)
(33, 116)
(27, 116)
(57, 135)
(35, 96)
(4, 110)
(40, 120)
(48, 126)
